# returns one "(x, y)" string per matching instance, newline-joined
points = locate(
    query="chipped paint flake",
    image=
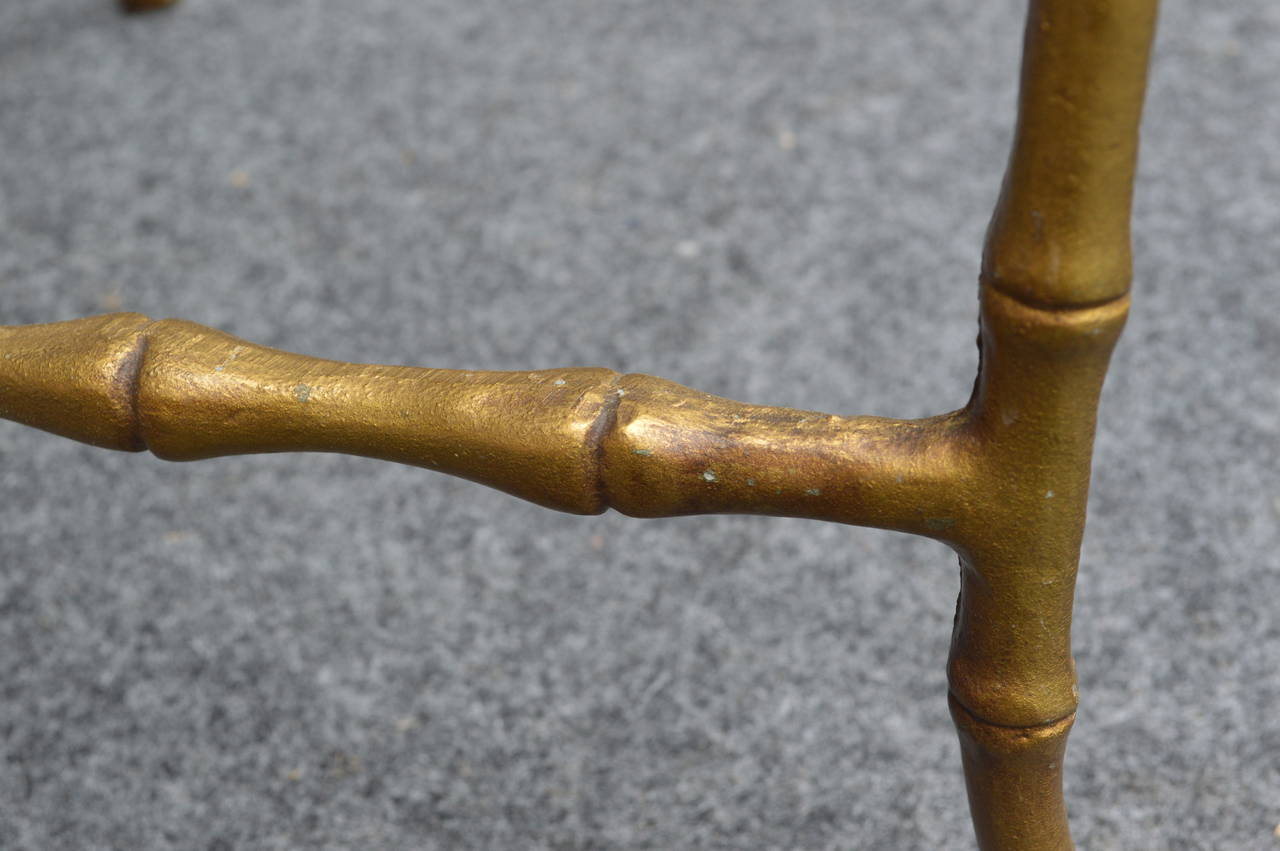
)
(709, 475)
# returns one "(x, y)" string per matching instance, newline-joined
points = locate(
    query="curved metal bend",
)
(1004, 480)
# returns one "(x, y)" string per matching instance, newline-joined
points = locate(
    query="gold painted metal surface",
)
(1054, 283)
(577, 440)
(1060, 234)
(1004, 481)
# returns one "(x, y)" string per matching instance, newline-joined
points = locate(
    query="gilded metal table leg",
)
(1055, 278)
(1013, 683)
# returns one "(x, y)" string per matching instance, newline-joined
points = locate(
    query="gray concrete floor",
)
(781, 201)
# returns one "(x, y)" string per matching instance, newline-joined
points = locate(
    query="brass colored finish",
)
(1060, 235)
(1055, 278)
(577, 440)
(1004, 481)
(1015, 782)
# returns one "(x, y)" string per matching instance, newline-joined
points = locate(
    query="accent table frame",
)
(1003, 481)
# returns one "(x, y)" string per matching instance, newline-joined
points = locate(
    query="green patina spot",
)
(302, 393)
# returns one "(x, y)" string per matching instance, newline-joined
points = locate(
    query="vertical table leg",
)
(1055, 281)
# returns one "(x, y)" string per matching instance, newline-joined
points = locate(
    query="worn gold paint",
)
(1004, 481)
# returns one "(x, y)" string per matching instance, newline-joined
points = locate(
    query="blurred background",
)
(779, 201)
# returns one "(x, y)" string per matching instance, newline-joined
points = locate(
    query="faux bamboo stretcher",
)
(1003, 481)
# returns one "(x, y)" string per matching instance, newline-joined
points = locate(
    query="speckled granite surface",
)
(778, 201)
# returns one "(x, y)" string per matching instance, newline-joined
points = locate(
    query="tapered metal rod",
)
(579, 440)
(1003, 481)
